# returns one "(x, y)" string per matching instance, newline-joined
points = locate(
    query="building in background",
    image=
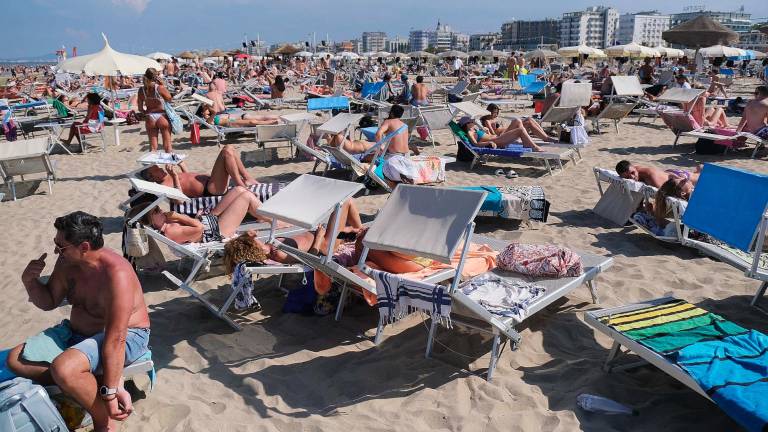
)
(596, 26)
(442, 38)
(460, 41)
(753, 40)
(482, 41)
(374, 41)
(397, 44)
(357, 45)
(347, 46)
(738, 21)
(418, 40)
(530, 34)
(644, 28)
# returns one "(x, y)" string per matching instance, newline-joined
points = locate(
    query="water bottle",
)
(599, 404)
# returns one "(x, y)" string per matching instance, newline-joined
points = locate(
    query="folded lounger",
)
(201, 254)
(623, 100)
(730, 206)
(22, 158)
(716, 358)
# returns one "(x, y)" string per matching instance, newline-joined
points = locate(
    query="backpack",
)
(706, 146)
(26, 407)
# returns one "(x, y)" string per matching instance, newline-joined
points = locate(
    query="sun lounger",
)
(712, 356)
(729, 141)
(730, 206)
(200, 254)
(435, 119)
(23, 158)
(623, 100)
(220, 131)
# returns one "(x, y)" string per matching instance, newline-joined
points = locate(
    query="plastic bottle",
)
(599, 404)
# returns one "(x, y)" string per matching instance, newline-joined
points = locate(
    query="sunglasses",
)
(58, 249)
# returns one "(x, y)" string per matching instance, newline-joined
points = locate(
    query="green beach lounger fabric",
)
(669, 327)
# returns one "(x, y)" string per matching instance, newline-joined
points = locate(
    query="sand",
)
(286, 372)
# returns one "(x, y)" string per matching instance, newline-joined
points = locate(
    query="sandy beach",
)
(287, 372)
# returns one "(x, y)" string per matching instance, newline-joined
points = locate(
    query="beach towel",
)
(263, 192)
(47, 345)
(540, 260)
(523, 203)
(5, 373)
(493, 200)
(503, 297)
(671, 326)
(734, 373)
(397, 297)
(242, 285)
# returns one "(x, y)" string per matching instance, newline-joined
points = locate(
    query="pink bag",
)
(540, 260)
(423, 132)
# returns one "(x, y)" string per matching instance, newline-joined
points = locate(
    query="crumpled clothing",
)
(503, 297)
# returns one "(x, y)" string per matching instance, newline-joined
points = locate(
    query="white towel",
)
(398, 297)
(502, 297)
(242, 285)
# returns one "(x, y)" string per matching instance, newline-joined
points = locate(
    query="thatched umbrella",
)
(217, 53)
(701, 31)
(541, 53)
(287, 50)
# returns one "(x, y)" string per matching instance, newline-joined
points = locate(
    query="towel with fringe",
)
(398, 297)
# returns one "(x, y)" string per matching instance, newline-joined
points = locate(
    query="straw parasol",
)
(453, 53)
(493, 53)
(721, 51)
(159, 56)
(541, 53)
(287, 50)
(701, 31)
(186, 55)
(217, 53)
(631, 50)
(108, 62)
(421, 54)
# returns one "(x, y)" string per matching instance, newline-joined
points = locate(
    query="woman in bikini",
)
(276, 86)
(479, 138)
(220, 223)
(151, 99)
(93, 114)
(234, 120)
(492, 125)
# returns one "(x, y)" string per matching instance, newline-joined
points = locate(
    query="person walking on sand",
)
(152, 96)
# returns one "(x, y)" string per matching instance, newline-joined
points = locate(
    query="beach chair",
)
(201, 254)
(728, 139)
(620, 201)
(730, 206)
(573, 97)
(677, 119)
(435, 119)
(712, 356)
(623, 100)
(279, 133)
(23, 158)
(220, 131)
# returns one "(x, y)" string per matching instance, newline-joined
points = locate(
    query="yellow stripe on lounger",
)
(661, 320)
(641, 316)
(667, 305)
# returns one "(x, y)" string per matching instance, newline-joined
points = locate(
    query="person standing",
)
(151, 101)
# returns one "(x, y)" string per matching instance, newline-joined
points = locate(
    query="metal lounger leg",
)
(431, 338)
(592, 285)
(547, 166)
(758, 295)
(176, 281)
(615, 350)
(495, 354)
(12, 187)
(616, 125)
(342, 301)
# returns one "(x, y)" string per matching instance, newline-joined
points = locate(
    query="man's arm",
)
(119, 306)
(743, 121)
(46, 296)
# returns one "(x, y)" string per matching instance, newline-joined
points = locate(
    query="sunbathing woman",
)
(232, 120)
(492, 125)
(479, 138)
(707, 117)
(340, 140)
(94, 111)
(222, 222)
(676, 187)
(248, 248)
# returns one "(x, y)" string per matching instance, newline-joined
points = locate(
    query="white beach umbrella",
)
(575, 51)
(475, 53)
(421, 54)
(721, 51)
(349, 55)
(369, 54)
(493, 53)
(669, 52)
(453, 53)
(631, 50)
(159, 56)
(108, 62)
(322, 54)
(383, 54)
(303, 54)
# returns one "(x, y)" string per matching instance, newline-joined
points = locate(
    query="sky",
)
(141, 26)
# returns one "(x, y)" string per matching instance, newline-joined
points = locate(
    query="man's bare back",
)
(755, 116)
(652, 176)
(420, 91)
(399, 142)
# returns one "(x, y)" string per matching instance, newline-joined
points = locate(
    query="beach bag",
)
(173, 118)
(130, 118)
(26, 407)
(194, 133)
(706, 146)
(136, 243)
(301, 300)
(540, 260)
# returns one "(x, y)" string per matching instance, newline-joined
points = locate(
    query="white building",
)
(754, 40)
(481, 41)
(442, 38)
(418, 40)
(597, 26)
(397, 44)
(644, 28)
(374, 41)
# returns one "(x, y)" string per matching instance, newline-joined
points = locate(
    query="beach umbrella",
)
(576, 51)
(242, 56)
(286, 50)
(108, 62)
(759, 55)
(669, 52)
(421, 54)
(631, 50)
(721, 51)
(493, 53)
(303, 54)
(701, 31)
(349, 55)
(159, 56)
(541, 53)
(382, 54)
(475, 53)
(453, 53)
(186, 55)
(322, 54)
(217, 53)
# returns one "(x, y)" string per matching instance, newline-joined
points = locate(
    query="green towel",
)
(672, 342)
(61, 110)
(47, 345)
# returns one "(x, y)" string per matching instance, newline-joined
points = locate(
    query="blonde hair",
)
(242, 248)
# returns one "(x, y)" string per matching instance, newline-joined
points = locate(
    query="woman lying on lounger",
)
(232, 120)
(479, 138)
(676, 187)
(222, 222)
(247, 248)
(492, 125)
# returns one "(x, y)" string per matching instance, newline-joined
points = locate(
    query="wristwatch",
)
(105, 391)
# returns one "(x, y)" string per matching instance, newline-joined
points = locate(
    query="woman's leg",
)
(233, 207)
(349, 217)
(151, 132)
(165, 129)
(72, 133)
(511, 136)
(536, 130)
(228, 166)
(392, 263)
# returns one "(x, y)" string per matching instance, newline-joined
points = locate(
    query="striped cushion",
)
(263, 192)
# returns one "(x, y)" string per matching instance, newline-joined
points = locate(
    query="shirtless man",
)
(654, 176)
(108, 326)
(217, 97)
(172, 67)
(228, 166)
(419, 92)
(755, 119)
(399, 142)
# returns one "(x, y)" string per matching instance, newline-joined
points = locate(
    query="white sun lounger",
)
(23, 158)
(623, 100)
(435, 119)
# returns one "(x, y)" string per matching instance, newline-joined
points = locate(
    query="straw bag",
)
(136, 243)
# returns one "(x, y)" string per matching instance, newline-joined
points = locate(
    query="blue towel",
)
(526, 80)
(5, 373)
(734, 373)
(728, 204)
(371, 89)
(329, 103)
(370, 132)
(493, 200)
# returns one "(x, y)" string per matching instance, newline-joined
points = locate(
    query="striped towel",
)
(263, 192)
(398, 297)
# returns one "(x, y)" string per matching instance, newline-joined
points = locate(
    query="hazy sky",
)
(39, 27)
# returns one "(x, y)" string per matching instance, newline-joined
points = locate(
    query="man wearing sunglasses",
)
(107, 329)
(755, 119)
